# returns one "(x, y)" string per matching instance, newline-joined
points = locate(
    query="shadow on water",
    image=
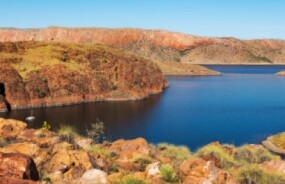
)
(121, 119)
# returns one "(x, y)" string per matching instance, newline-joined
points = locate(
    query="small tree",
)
(96, 131)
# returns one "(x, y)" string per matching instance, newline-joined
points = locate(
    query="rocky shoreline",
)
(44, 156)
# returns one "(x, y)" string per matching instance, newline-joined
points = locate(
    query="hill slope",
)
(42, 74)
(162, 45)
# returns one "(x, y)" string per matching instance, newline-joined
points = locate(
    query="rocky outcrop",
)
(198, 171)
(161, 45)
(45, 74)
(43, 155)
(275, 143)
(11, 128)
(18, 166)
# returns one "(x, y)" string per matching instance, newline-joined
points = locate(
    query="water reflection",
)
(122, 119)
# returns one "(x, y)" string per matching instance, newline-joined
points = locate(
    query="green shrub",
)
(96, 131)
(46, 126)
(168, 173)
(114, 168)
(143, 162)
(177, 152)
(250, 155)
(254, 174)
(97, 149)
(3, 142)
(225, 160)
(130, 180)
(67, 133)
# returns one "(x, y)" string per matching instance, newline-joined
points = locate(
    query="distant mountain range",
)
(159, 45)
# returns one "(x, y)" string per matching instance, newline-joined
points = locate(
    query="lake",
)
(244, 105)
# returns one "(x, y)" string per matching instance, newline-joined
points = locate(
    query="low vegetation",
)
(250, 155)
(130, 180)
(254, 174)
(224, 159)
(176, 152)
(67, 133)
(168, 173)
(142, 161)
(96, 131)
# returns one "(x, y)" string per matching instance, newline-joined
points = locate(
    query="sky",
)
(245, 19)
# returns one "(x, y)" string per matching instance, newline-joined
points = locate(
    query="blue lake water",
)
(245, 105)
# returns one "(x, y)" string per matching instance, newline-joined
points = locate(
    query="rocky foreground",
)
(37, 74)
(43, 156)
(159, 45)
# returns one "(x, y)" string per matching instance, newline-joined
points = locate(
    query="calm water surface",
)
(244, 105)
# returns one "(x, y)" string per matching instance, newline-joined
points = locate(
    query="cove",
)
(244, 105)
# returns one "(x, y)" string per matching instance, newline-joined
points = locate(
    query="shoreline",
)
(85, 101)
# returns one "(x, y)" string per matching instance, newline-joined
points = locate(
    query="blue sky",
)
(237, 18)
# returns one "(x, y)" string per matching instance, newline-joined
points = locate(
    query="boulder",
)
(127, 149)
(197, 171)
(19, 166)
(11, 128)
(68, 160)
(94, 176)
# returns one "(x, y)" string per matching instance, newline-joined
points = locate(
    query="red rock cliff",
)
(43, 74)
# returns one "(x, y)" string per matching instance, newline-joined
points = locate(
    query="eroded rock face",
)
(19, 166)
(197, 171)
(45, 74)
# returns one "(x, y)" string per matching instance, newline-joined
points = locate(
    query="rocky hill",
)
(43, 74)
(162, 45)
(43, 156)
